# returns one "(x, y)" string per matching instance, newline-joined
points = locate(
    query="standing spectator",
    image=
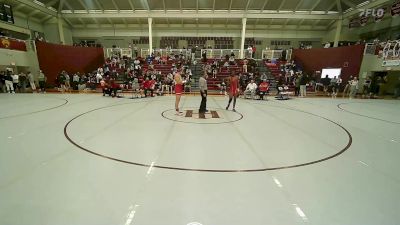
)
(250, 51)
(254, 51)
(2, 82)
(353, 87)
(75, 81)
(326, 82)
(22, 82)
(15, 80)
(297, 85)
(203, 93)
(303, 85)
(42, 81)
(245, 66)
(9, 82)
(366, 87)
(346, 90)
(135, 50)
(397, 89)
(67, 81)
(334, 86)
(31, 80)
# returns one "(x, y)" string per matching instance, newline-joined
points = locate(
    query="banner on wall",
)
(387, 63)
(12, 44)
(395, 9)
(363, 20)
(354, 23)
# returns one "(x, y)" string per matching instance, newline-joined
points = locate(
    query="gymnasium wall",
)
(348, 58)
(54, 58)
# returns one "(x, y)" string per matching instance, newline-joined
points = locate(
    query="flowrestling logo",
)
(373, 12)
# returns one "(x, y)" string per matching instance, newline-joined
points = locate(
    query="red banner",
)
(12, 44)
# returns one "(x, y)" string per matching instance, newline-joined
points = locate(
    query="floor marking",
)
(214, 114)
(189, 113)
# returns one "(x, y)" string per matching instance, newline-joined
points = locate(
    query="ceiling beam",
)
(339, 6)
(230, 5)
(37, 7)
(265, 4)
(146, 5)
(131, 4)
(115, 5)
(109, 20)
(350, 4)
(51, 3)
(197, 6)
(46, 18)
(61, 5)
(180, 5)
(99, 5)
(34, 12)
(298, 5)
(315, 5)
(247, 5)
(281, 5)
(213, 9)
(165, 8)
(221, 15)
(84, 6)
(330, 7)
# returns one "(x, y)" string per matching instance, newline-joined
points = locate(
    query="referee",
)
(203, 92)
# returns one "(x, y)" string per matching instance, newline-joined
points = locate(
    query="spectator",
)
(75, 81)
(42, 81)
(263, 89)
(397, 89)
(251, 89)
(2, 82)
(223, 87)
(366, 86)
(22, 82)
(9, 82)
(303, 85)
(326, 82)
(15, 80)
(353, 87)
(346, 90)
(31, 81)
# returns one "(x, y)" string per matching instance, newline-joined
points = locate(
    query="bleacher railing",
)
(220, 53)
(127, 52)
(163, 52)
(276, 54)
(370, 49)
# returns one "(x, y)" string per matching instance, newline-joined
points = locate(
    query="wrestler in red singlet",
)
(178, 91)
(234, 90)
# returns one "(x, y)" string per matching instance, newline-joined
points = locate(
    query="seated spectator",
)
(251, 89)
(147, 86)
(263, 89)
(223, 87)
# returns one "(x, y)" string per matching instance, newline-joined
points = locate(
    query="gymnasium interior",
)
(119, 112)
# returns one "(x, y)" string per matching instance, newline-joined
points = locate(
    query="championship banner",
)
(395, 10)
(353, 23)
(363, 20)
(12, 44)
